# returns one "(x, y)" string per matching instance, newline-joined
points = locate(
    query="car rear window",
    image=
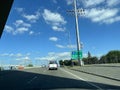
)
(52, 62)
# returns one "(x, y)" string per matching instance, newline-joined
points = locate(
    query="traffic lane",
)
(24, 80)
(101, 82)
(57, 80)
(95, 82)
(41, 78)
(17, 79)
(14, 80)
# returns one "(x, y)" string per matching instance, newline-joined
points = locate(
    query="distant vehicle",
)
(53, 65)
(12, 68)
(43, 66)
(1, 68)
(20, 67)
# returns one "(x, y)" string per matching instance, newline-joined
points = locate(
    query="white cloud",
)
(28, 54)
(67, 46)
(53, 38)
(100, 11)
(21, 27)
(88, 3)
(20, 30)
(46, 58)
(26, 58)
(4, 54)
(32, 17)
(16, 31)
(34, 33)
(31, 32)
(55, 1)
(51, 53)
(113, 2)
(112, 20)
(7, 54)
(11, 54)
(52, 17)
(72, 46)
(69, 2)
(55, 19)
(9, 29)
(19, 23)
(19, 9)
(60, 46)
(64, 54)
(19, 55)
(56, 56)
(15, 55)
(56, 28)
(101, 15)
(85, 55)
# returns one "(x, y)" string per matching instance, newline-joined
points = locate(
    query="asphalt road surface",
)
(61, 79)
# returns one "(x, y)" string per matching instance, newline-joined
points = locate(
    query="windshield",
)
(59, 44)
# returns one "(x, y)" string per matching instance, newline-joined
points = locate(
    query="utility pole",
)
(76, 11)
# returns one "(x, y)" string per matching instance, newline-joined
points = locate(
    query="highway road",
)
(61, 79)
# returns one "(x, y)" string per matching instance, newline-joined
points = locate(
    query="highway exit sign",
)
(77, 54)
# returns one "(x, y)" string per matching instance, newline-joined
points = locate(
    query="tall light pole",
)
(77, 31)
(81, 12)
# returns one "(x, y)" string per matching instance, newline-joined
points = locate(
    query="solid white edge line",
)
(81, 79)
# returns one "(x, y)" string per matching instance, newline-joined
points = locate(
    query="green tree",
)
(89, 54)
(113, 56)
(85, 60)
(66, 62)
(90, 60)
(93, 60)
(61, 62)
(103, 59)
(30, 65)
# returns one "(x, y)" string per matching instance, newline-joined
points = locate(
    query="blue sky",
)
(41, 30)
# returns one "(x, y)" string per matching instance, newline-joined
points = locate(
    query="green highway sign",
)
(77, 54)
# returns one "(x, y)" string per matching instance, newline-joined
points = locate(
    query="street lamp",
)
(76, 11)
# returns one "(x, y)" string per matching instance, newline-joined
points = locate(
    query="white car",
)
(53, 65)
